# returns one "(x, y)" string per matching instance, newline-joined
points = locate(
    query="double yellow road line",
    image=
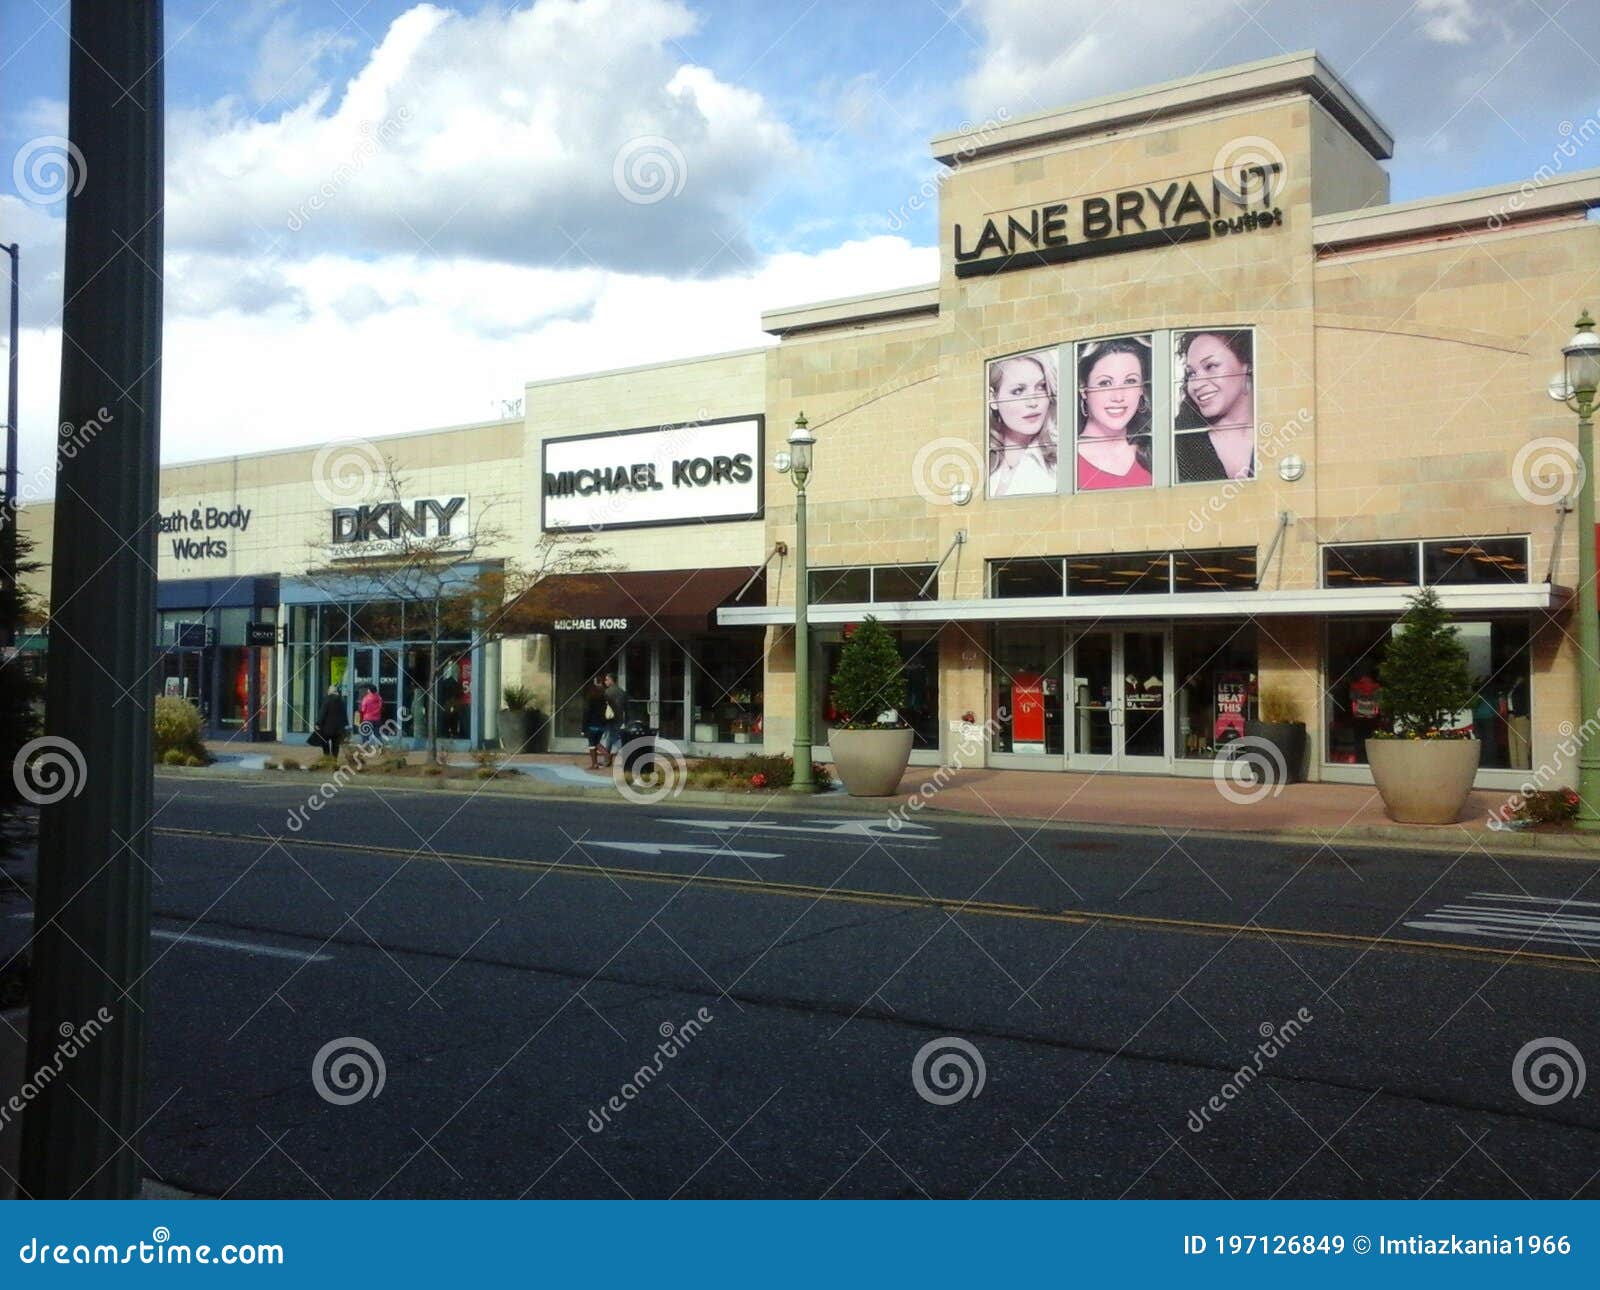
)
(901, 900)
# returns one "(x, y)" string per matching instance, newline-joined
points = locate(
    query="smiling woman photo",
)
(1114, 413)
(1022, 424)
(1215, 430)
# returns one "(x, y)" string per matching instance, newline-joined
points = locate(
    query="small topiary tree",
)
(871, 679)
(1424, 672)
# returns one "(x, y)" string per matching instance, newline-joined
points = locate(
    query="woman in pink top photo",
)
(1114, 414)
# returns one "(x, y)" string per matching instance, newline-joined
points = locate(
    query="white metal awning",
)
(1341, 601)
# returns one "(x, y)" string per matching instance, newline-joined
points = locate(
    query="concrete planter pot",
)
(13, 1064)
(870, 762)
(516, 729)
(1423, 781)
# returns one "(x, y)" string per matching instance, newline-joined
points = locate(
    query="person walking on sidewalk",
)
(616, 716)
(331, 723)
(370, 712)
(594, 719)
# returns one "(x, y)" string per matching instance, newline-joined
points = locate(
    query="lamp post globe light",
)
(1582, 371)
(801, 442)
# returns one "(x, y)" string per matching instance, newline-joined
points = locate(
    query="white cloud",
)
(1450, 22)
(1043, 56)
(289, 60)
(492, 135)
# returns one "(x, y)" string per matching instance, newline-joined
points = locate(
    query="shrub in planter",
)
(177, 730)
(1423, 768)
(871, 744)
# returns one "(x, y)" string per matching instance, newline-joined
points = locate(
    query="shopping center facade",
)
(1190, 411)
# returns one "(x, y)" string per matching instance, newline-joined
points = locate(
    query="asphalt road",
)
(516, 961)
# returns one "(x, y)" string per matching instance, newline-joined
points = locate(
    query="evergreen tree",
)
(871, 677)
(1424, 671)
(19, 693)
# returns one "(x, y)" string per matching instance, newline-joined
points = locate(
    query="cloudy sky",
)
(387, 216)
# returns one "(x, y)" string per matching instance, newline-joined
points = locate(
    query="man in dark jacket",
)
(331, 723)
(617, 702)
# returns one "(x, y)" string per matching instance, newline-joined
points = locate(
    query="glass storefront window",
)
(1214, 665)
(1027, 664)
(1008, 578)
(1460, 561)
(1137, 573)
(863, 584)
(1224, 569)
(841, 586)
(1373, 564)
(726, 676)
(1498, 659)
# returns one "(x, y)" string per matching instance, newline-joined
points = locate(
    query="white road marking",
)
(658, 848)
(245, 947)
(874, 830)
(1515, 916)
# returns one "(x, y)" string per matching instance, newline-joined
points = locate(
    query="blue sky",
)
(483, 243)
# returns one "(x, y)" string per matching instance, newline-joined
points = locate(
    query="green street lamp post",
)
(1582, 376)
(801, 442)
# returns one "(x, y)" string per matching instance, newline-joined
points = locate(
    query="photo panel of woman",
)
(1113, 413)
(1214, 431)
(1023, 435)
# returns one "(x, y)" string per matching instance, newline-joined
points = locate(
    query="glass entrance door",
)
(379, 665)
(1121, 713)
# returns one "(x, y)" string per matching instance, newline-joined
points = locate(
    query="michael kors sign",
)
(1131, 219)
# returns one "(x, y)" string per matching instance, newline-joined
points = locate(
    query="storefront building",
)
(1189, 413)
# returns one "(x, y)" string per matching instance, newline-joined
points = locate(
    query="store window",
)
(1027, 665)
(1498, 660)
(919, 654)
(726, 679)
(1215, 668)
(1439, 562)
(1222, 569)
(869, 584)
(1136, 573)
(1031, 577)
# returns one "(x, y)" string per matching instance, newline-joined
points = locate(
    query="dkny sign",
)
(381, 527)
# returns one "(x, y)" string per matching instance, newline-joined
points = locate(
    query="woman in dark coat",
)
(331, 723)
(594, 719)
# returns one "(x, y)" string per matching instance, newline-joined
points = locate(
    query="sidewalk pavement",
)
(1173, 805)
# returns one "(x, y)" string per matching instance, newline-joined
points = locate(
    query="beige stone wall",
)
(1344, 175)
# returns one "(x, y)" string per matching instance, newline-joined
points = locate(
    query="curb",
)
(1440, 838)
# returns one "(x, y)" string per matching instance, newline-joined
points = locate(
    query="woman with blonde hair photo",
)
(1022, 424)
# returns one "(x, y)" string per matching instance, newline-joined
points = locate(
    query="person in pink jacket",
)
(370, 714)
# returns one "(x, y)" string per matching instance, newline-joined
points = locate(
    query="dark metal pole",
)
(8, 543)
(92, 908)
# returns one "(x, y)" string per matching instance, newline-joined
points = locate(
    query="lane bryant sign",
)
(1132, 219)
(695, 473)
